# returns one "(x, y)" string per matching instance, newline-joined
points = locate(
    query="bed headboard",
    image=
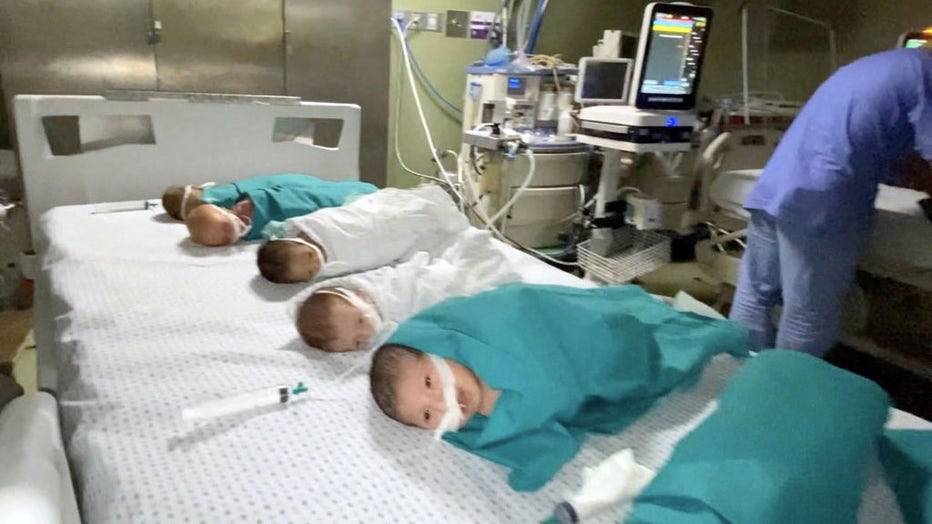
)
(132, 150)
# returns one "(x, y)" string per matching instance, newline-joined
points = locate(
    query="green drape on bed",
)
(788, 443)
(279, 197)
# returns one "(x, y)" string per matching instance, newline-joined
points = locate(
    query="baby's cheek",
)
(229, 232)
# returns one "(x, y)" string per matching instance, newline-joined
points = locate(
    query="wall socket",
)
(420, 20)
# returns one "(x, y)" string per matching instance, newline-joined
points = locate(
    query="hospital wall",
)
(443, 60)
(874, 25)
(321, 50)
(785, 54)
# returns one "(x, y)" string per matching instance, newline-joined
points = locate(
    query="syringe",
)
(258, 398)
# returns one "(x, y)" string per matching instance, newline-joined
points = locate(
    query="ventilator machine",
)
(530, 135)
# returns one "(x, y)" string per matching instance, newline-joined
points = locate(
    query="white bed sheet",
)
(147, 324)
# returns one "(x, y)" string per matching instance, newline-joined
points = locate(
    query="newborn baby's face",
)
(420, 392)
(354, 331)
(210, 225)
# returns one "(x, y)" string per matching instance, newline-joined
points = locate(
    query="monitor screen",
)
(516, 86)
(916, 39)
(603, 80)
(674, 47)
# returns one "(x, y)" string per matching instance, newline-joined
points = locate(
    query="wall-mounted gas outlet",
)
(420, 20)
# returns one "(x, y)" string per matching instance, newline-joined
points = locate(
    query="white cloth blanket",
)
(382, 228)
(471, 264)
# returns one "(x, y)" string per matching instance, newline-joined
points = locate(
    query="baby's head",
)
(329, 320)
(178, 200)
(407, 386)
(288, 260)
(210, 225)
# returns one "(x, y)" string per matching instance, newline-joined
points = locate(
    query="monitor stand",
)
(627, 128)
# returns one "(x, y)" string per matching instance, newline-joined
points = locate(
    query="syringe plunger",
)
(238, 403)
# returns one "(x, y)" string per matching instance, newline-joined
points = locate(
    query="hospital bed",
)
(135, 324)
(730, 165)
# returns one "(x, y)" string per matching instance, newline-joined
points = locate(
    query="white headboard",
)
(194, 141)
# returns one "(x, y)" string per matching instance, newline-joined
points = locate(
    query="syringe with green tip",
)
(258, 398)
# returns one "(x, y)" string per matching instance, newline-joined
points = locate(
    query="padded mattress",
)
(147, 324)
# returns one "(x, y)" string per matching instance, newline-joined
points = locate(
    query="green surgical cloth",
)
(567, 361)
(279, 197)
(906, 456)
(789, 443)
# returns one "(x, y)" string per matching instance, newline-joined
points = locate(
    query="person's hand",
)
(243, 209)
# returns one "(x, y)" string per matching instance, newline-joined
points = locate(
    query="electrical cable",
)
(417, 100)
(444, 103)
(522, 20)
(532, 168)
(398, 157)
(481, 215)
(551, 62)
(535, 26)
(445, 180)
(472, 161)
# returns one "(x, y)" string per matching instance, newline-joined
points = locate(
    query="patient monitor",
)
(666, 75)
(670, 53)
(658, 119)
(603, 80)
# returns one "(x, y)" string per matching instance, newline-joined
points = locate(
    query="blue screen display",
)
(515, 86)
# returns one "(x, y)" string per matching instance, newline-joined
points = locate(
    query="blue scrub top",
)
(567, 361)
(823, 175)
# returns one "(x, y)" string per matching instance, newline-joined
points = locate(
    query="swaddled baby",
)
(374, 230)
(218, 215)
(349, 313)
(521, 374)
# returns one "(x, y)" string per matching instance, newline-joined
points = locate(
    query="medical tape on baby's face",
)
(187, 192)
(314, 247)
(184, 201)
(368, 310)
(452, 415)
(381, 330)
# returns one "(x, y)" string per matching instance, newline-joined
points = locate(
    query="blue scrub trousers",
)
(810, 273)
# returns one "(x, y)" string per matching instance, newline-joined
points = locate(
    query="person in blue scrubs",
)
(813, 207)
